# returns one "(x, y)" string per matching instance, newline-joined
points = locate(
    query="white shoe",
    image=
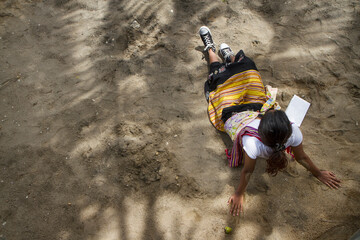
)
(226, 52)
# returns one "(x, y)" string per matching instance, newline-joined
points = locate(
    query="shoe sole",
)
(206, 29)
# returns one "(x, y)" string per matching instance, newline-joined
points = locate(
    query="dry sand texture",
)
(104, 131)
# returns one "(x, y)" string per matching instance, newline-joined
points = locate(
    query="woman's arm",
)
(236, 200)
(326, 177)
(302, 158)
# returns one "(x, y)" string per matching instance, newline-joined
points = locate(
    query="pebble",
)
(4, 223)
(135, 24)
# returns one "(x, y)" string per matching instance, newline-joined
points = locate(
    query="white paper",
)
(297, 110)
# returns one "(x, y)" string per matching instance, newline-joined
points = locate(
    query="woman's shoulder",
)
(252, 146)
(296, 137)
(295, 130)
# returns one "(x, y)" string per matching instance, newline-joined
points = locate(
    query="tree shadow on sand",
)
(110, 166)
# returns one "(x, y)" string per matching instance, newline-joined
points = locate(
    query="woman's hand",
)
(326, 177)
(329, 179)
(236, 204)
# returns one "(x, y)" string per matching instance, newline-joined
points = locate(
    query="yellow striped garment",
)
(242, 88)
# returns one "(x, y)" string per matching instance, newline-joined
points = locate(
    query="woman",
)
(240, 105)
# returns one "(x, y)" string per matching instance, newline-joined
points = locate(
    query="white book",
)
(297, 110)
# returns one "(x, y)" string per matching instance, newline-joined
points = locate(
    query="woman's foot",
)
(206, 37)
(226, 52)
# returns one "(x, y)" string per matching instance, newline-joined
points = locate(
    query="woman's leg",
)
(232, 59)
(212, 56)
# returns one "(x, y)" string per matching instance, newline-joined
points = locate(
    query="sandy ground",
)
(104, 131)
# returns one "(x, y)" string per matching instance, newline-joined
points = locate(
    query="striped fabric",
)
(242, 88)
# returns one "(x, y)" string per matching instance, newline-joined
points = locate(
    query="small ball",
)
(228, 230)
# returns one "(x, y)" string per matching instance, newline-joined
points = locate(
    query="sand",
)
(104, 131)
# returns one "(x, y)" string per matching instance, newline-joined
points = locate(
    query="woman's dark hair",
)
(274, 130)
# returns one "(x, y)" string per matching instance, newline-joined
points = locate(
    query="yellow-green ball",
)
(228, 230)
